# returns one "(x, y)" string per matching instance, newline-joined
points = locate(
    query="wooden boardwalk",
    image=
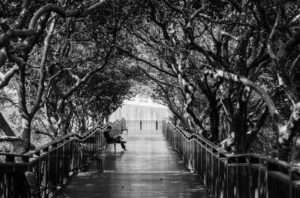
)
(150, 168)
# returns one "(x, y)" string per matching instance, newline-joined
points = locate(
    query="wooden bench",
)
(114, 141)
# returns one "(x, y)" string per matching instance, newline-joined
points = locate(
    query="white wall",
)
(141, 109)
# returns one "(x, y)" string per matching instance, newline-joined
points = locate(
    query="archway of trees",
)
(226, 69)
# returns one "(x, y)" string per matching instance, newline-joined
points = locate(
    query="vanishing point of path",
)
(150, 168)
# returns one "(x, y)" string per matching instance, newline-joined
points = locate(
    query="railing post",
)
(51, 164)
(141, 125)
(10, 158)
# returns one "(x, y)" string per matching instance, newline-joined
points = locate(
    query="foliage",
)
(226, 69)
(48, 51)
(221, 58)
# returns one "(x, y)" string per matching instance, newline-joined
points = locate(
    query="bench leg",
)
(99, 165)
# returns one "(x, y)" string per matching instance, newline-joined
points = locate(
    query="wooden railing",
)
(52, 164)
(234, 176)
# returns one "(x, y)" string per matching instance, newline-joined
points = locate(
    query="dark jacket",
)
(108, 138)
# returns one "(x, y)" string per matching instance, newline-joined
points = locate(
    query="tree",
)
(18, 40)
(219, 44)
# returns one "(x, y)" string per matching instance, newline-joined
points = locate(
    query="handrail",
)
(51, 163)
(57, 141)
(230, 175)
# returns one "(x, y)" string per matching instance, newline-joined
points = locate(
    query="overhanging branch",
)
(240, 79)
(10, 139)
(5, 78)
(157, 80)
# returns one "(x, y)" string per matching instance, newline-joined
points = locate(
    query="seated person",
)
(113, 140)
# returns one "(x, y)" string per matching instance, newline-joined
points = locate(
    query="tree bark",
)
(296, 153)
(83, 125)
(240, 127)
(62, 117)
(26, 134)
(4, 126)
(288, 132)
(214, 124)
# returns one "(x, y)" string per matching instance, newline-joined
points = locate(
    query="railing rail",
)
(144, 127)
(234, 176)
(52, 163)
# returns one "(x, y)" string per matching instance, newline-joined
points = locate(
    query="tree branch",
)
(145, 61)
(10, 139)
(62, 12)
(223, 22)
(22, 15)
(4, 126)
(236, 4)
(269, 45)
(41, 85)
(45, 133)
(194, 14)
(253, 133)
(294, 65)
(5, 78)
(265, 96)
(81, 81)
(10, 34)
(155, 79)
(173, 7)
(33, 28)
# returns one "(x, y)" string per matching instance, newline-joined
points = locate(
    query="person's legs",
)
(123, 145)
(120, 141)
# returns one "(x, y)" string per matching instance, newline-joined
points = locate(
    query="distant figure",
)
(113, 140)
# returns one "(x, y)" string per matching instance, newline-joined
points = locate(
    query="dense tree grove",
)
(231, 66)
(52, 54)
(227, 69)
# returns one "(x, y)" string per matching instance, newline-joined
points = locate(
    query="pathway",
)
(150, 168)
